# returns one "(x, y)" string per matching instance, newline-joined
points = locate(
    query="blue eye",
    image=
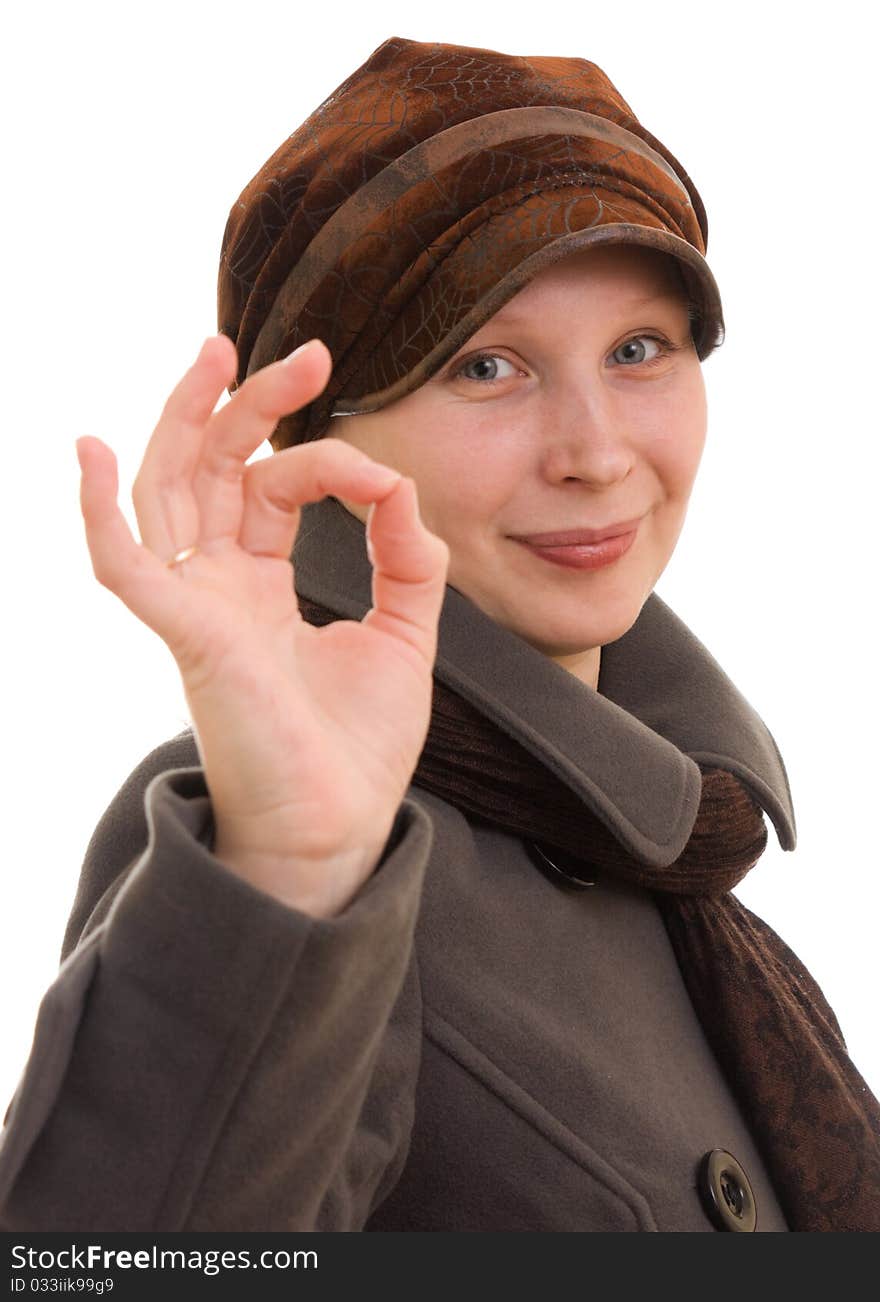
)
(484, 368)
(635, 349)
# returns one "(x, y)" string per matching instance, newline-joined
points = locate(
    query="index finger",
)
(276, 487)
(239, 428)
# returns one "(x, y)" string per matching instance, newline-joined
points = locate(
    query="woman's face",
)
(580, 404)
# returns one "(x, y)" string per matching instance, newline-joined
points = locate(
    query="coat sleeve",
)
(208, 1058)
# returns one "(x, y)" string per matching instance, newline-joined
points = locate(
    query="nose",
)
(587, 438)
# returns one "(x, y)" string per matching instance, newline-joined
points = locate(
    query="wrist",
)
(321, 886)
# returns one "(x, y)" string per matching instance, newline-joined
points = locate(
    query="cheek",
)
(684, 459)
(679, 439)
(471, 483)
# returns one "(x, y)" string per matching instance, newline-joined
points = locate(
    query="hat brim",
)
(699, 284)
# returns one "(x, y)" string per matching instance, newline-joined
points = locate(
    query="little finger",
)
(132, 572)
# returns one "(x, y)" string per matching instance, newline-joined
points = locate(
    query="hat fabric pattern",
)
(429, 188)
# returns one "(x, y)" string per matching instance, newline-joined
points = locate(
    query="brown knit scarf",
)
(777, 1040)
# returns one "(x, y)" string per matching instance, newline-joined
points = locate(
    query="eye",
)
(633, 350)
(485, 368)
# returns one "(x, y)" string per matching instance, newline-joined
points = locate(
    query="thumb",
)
(410, 565)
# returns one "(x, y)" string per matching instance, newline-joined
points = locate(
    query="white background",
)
(130, 131)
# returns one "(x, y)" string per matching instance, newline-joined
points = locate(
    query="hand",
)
(308, 736)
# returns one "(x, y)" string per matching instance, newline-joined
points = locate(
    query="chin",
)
(591, 624)
(572, 637)
(558, 626)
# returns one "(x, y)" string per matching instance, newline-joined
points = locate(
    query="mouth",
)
(579, 537)
(585, 555)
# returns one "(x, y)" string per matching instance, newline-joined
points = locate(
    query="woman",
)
(426, 924)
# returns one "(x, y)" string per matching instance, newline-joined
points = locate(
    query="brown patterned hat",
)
(421, 196)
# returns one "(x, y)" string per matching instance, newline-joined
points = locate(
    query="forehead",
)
(629, 275)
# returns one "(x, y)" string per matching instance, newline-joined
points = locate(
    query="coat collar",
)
(630, 750)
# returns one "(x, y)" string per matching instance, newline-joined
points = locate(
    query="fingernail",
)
(302, 348)
(385, 475)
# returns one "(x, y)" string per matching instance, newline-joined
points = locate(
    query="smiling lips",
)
(575, 537)
(583, 549)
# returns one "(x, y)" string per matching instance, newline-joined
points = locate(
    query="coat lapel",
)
(629, 750)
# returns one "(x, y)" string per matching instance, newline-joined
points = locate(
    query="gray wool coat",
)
(465, 1047)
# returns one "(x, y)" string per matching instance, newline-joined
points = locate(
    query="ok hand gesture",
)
(308, 736)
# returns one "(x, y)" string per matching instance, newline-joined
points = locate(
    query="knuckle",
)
(324, 453)
(264, 407)
(139, 489)
(266, 393)
(436, 544)
(218, 464)
(104, 572)
(254, 475)
(177, 408)
(269, 495)
(346, 454)
(161, 488)
(153, 480)
(169, 407)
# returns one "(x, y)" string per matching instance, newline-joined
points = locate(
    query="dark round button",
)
(563, 869)
(726, 1193)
